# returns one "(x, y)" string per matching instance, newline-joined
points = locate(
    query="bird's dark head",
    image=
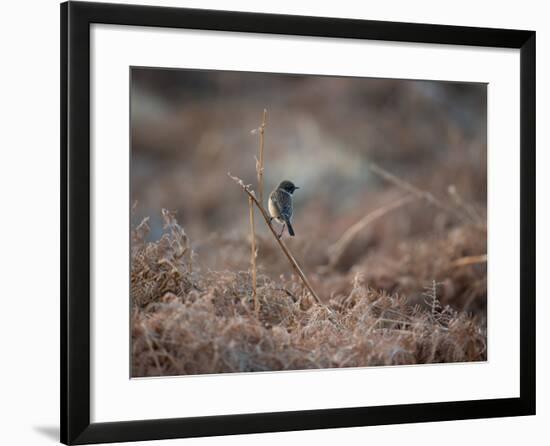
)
(288, 186)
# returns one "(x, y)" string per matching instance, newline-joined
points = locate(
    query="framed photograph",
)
(275, 223)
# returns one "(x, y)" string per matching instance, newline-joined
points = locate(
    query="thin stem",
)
(428, 196)
(469, 209)
(260, 162)
(470, 260)
(339, 248)
(253, 254)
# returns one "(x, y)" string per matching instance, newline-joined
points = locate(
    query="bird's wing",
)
(283, 202)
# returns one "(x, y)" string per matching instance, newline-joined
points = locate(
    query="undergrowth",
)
(187, 319)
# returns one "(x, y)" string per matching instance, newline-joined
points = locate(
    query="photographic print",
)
(290, 222)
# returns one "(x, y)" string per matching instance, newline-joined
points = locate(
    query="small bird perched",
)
(280, 205)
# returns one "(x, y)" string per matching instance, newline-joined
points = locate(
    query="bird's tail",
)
(290, 228)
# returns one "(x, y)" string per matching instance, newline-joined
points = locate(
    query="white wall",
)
(29, 100)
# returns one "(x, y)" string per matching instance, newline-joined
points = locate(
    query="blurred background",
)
(189, 128)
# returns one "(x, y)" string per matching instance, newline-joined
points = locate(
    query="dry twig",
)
(338, 249)
(253, 253)
(469, 209)
(260, 161)
(425, 195)
(260, 175)
(470, 260)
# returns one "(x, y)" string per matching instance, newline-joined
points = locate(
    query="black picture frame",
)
(76, 18)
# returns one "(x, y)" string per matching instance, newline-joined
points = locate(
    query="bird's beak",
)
(296, 187)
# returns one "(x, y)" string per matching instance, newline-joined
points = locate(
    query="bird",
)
(280, 205)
